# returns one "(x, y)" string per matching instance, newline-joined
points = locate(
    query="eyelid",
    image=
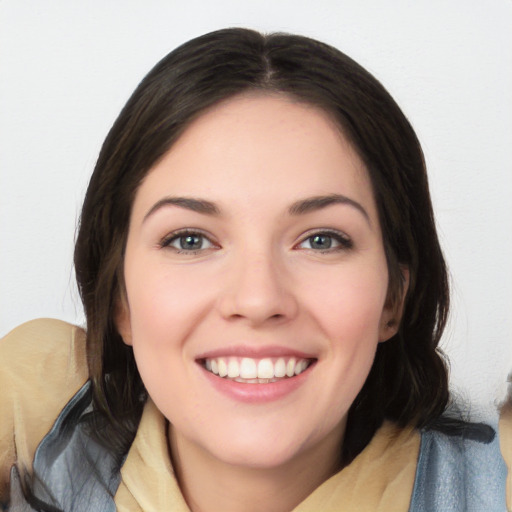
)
(166, 241)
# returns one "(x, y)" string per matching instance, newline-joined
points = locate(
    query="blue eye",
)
(187, 242)
(326, 241)
(320, 242)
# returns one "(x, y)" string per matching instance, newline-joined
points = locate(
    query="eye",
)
(326, 241)
(187, 242)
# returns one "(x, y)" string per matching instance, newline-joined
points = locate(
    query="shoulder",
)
(44, 349)
(43, 366)
(43, 352)
(459, 469)
(41, 335)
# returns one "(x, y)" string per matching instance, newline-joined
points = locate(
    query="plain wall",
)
(66, 69)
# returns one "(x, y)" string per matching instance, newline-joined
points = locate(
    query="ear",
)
(122, 319)
(393, 309)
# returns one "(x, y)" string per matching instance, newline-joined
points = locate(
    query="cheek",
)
(164, 302)
(164, 311)
(350, 318)
(349, 312)
(348, 304)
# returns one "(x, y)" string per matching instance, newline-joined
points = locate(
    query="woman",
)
(265, 293)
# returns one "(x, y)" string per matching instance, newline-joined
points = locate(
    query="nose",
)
(258, 289)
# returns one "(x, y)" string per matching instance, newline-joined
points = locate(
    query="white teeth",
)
(265, 369)
(223, 368)
(248, 368)
(280, 368)
(300, 367)
(260, 371)
(233, 368)
(290, 367)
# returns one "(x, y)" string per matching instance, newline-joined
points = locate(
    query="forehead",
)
(257, 145)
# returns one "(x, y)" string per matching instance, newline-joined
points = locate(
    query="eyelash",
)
(343, 241)
(176, 235)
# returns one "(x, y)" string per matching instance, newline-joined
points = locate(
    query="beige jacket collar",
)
(381, 478)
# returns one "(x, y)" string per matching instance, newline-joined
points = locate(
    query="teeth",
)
(250, 370)
(233, 369)
(300, 367)
(223, 368)
(290, 367)
(280, 368)
(265, 369)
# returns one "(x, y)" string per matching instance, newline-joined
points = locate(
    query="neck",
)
(209, 484)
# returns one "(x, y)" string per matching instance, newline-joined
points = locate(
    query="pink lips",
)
(255, 392)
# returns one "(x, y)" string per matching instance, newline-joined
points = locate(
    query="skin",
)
(257, 280)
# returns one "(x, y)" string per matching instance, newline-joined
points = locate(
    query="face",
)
(256, 282)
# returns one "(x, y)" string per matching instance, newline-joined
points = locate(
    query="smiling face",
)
(256, 282)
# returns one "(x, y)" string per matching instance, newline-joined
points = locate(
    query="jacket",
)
(401, 469)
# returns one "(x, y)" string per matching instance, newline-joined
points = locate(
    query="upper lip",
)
(255, 352)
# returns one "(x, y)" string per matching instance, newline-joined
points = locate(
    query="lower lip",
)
(257, 393)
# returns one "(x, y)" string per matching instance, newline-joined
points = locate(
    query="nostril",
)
(256, 305)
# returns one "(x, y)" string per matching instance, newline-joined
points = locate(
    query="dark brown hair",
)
(408, 380)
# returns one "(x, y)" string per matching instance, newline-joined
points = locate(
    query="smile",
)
(256, 371)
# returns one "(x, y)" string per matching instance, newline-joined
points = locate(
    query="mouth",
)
(248, 370)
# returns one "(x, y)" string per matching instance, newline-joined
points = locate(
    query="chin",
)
(263, 449)
(258, 457)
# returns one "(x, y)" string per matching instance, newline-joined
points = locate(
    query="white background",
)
(67, 67)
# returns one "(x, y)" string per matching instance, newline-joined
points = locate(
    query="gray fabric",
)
(456, 474)
(18, 503)
(73, 472)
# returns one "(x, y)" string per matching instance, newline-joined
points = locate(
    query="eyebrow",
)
(311, 204)
(300, 207)
(189, 203)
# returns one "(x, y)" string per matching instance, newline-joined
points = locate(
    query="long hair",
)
(408, 381)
